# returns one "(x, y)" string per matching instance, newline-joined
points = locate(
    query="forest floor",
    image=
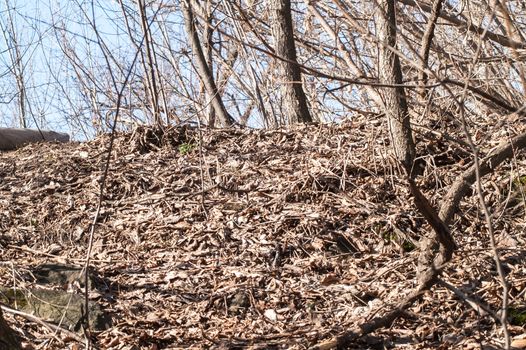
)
(258, 239)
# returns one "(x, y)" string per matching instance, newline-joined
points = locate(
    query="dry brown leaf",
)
(519, 343)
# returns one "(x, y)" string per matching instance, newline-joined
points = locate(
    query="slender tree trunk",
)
(202, 68)
(258, 93)
(425, 46)
(395, 103)
(295, 107)
(11, 40)
(208, 43)
(150, 71)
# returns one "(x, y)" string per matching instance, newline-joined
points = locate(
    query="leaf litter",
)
(260, 239)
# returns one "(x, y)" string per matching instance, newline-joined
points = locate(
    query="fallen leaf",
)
(271, 314)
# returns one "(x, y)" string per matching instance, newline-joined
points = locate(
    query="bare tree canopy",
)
(322, 60)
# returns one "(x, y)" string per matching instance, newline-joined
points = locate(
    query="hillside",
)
(261, 239)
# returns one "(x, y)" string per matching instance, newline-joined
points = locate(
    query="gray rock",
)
(11, 139)
(53, 303)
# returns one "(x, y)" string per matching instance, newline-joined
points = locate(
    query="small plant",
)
(186, 148)
(517, 316)
(518, 190)
(389, 236)
(519, 183)
(408, 246)
(13, 297)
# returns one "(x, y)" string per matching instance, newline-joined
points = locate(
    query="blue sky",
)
(50, 84)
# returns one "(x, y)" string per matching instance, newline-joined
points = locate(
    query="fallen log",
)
(11, 139)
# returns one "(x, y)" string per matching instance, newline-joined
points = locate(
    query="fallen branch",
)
(386, 320)
(40, 321)
(427, 274)
(482, 308)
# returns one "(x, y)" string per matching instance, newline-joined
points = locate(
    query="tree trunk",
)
(294, 101)
(8, 339)
(202, 68)
(425, 46)
(150, 67)
(395, 103)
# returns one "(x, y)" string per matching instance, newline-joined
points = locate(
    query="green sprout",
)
(519, 183)
(517, 316)
(186, 148)
(408, 246)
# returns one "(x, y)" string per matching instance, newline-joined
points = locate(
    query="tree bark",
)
(202, 68)
(295, 107)
(390, 72)
(150, 66)
(425, 45)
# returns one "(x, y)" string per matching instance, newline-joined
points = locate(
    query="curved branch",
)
(428, 277)
(460, 188)
(487, 96)
(346, 339)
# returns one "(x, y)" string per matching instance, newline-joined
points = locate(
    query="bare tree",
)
(17, 67)
(394, 99)
(294, 101)
(151, 68)
(203, 69)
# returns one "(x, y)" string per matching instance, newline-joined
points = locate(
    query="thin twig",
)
(480, 307)
(480, 193)
(106, 166)
(40, 321)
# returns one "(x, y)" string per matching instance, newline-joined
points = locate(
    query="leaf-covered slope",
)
(271, 238)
